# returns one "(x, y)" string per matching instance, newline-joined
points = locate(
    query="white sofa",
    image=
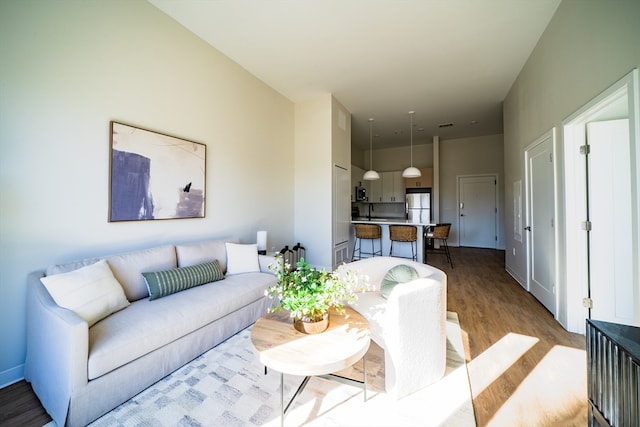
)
(80, 372)
(410, 326)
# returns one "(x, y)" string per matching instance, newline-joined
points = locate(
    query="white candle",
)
(261, 239)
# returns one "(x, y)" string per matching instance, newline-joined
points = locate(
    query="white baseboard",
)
(517, 277)
(11, 376)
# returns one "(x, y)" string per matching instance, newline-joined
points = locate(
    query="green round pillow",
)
(401, 273)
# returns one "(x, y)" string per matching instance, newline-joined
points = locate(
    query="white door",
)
(609, 209)
(478, 211)
(619, 101)
(540, 232)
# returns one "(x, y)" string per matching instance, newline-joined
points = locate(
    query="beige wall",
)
(68, 68)
(587, 46)
(396, 159)
(320, 143)
(458, 157)
(463, 157)
(313, 178)
(357, 157)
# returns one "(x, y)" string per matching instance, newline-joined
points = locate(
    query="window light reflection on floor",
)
(494, 361)
(554, 393)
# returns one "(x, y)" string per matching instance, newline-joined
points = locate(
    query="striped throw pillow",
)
(163, 283)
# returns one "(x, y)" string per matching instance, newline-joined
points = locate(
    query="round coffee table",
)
(282, 348)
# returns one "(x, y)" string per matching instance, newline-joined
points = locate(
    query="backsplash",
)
(381, 210)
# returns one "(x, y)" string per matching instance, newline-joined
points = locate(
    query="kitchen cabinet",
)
(375, 190)
(342, 205)
(424, 181)
(392, 187)
(388, 189)
(356, 180)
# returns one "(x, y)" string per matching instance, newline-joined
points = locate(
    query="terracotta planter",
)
(308, 326)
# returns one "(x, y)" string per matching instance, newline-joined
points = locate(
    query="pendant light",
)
(371, 175)
(411, 172)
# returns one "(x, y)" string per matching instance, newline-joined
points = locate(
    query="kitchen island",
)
(400, 249)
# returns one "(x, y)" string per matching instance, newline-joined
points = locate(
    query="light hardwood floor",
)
(524, 368)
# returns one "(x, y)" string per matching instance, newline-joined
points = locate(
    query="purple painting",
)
(155, 176)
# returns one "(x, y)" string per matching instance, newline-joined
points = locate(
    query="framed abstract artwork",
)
(155, 176)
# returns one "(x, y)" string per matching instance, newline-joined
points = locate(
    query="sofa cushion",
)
(128, 268)
(401, 273)
(167, 282)
(92, 292)
(205, 251)
(69, 266)
(148, 325)
(242, 258)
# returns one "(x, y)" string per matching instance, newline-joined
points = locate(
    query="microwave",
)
(361, 194)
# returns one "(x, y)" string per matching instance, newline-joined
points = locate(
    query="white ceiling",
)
(448, 60)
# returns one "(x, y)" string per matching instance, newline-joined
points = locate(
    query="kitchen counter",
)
(400, 249)
(386, 221)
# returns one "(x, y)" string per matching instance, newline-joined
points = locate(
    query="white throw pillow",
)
(242, 258)
(91, 292)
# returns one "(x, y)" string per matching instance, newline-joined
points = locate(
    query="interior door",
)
(478, 211)
(540, 223)
(609, 210)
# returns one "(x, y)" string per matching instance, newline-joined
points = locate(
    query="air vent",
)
(445, 125)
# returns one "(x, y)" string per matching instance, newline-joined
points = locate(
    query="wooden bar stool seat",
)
(404, 234)
(370, 232)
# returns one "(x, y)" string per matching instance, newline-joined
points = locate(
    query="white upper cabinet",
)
(388, 189)
(375, 190)
(392, 187)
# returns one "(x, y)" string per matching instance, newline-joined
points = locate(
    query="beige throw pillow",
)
(91, 292)
(242, 258)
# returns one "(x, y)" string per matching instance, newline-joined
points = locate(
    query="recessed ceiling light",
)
(474, 122)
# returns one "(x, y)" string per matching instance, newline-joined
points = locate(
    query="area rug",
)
(227, 386)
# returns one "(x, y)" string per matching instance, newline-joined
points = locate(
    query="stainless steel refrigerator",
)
(418, 206)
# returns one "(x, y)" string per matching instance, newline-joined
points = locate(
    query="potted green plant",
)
(308, 293)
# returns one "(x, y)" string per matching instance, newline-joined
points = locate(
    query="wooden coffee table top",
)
(282, 348)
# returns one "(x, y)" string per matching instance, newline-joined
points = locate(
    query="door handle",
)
(528, 228)
(461, 214)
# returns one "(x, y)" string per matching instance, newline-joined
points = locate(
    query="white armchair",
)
(410, 325)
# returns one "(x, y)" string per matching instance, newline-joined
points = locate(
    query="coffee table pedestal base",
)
(344, 380)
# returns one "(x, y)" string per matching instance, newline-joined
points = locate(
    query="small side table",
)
(282, 348)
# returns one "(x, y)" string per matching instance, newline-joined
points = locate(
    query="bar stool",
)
(371, 232)
(405, 234)
(439, 232)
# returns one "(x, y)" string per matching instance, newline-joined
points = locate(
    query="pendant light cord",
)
(370, 144)
(411, 113)
(411, 132)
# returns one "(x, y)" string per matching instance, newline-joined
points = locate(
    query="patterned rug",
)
(227, 387)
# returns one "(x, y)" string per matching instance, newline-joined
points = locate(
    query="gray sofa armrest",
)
(57, 350)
